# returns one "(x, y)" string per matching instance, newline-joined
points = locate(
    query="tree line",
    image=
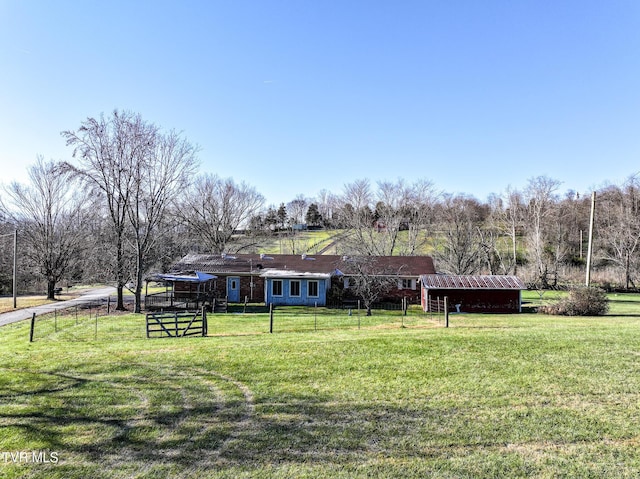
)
(131, 200)
(537, 233)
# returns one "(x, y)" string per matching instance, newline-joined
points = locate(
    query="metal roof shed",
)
(473, 293)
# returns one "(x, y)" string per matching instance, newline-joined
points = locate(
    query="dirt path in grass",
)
(88, 296)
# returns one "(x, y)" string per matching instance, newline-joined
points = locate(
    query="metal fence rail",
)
(176, 324)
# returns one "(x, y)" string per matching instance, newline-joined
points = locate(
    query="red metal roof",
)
(450, 281)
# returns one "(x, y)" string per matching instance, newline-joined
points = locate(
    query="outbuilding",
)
(472, 293)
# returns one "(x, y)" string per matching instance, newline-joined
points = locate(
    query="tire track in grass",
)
(246, 422)
(204, 433)
(205, 415)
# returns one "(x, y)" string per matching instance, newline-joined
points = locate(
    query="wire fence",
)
(288, 319)
(87, 322)
(94, 321)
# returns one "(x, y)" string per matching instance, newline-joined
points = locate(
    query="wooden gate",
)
(177, 324)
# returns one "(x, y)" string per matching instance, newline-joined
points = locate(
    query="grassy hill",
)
(491, 396)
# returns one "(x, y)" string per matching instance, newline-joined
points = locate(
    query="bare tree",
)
(489, 236)
(48, 212)
(368, 280)
(297, 209)
(137, 170)
(505, 221)
(159, 176)
(619, 228)
(326, 202)
(214, 208)
(459, 251)
(356, 216)
(541, 200)
(393, 199)
(107, 151)
(418, 214)
(374, 220)
(7, 231)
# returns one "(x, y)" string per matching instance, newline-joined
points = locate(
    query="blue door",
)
(233, 289)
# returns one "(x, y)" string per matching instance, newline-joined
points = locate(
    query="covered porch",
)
(189, 291)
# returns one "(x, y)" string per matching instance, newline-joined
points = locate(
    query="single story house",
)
(472, 293)
(298, 279)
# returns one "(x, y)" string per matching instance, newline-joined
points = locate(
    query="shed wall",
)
(476, 300)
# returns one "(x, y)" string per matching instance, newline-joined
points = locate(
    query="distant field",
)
(491, 396)
(309, 242)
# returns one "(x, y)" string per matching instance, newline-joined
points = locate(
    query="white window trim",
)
(291, 281)
(317, 295)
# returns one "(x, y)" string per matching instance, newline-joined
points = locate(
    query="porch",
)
(182, 292)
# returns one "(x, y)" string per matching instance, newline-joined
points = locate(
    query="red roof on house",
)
(449, 281)
(406, 266)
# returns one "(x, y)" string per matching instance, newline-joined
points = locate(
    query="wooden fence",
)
(177, 324)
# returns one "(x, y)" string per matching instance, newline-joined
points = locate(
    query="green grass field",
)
(491, 396)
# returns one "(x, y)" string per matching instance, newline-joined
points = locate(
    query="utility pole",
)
(15, 269)
(590, 248)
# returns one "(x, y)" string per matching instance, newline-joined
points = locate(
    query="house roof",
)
(449, 281)
(244, 264)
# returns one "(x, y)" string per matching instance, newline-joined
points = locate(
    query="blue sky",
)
(294, 97)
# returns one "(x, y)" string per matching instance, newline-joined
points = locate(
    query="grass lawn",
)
(491, 396)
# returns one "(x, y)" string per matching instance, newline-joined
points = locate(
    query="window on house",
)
(295, 287)
(313, 289)
(276, 287)
(407, 284)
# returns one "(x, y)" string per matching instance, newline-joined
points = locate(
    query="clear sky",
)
(296, 96)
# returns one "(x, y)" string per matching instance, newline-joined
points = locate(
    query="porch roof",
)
(281, 273)
(197, 277)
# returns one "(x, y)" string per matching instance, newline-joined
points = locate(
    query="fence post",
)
(358, 314)
(55, 320)
(33, 325)
(270, 317)
(446, 311)
(204, 321)
(175, 315)
(315, 317)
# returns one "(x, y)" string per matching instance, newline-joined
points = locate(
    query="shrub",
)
(580, 302)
